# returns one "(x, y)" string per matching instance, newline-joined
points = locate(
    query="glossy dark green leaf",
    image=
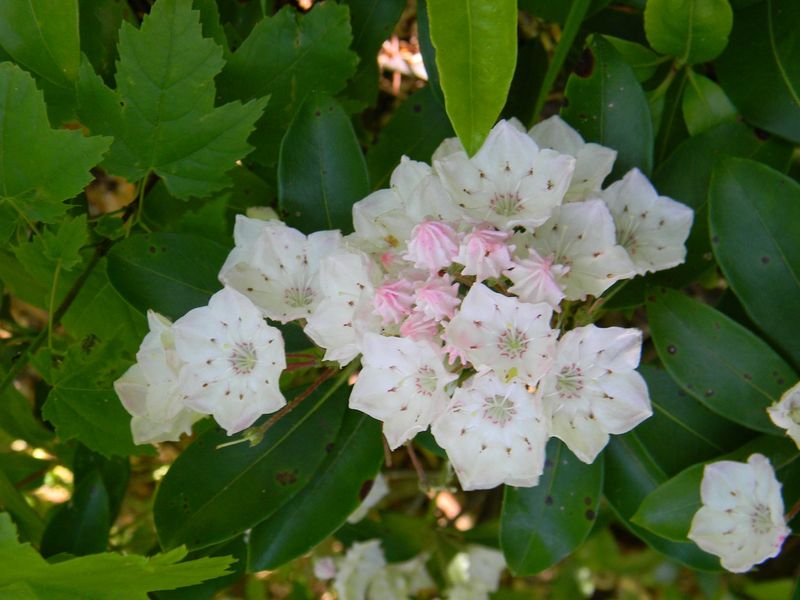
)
(719, 362)
(286, 57)
(12, 501)
(704, 104)
(170, 273)
(529, 75)
(606, 104)
(321, 170)
(476, 50)
(557, 11)
(80, 526)
(755, 224)
(428, 52)
(42, 35)
(212, 494)
(668, 124)
(760, 69)
(326, 501)
(693, 31)
(694, 432)
(668, 510)
(115, 473)
(415, 130)
(630, 475)
(541, 525)
(372, 22)
(642, 60)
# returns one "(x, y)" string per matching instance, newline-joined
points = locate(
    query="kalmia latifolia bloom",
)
(465, 289)
(786, 413)
(741, 519)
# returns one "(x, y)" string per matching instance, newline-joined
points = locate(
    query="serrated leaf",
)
(168, 122)
(321, 170)
(719, 362)
(693, 31)
(607, 106)
(541, 525)
(48, 250)
(82, 403)
(287, 56)
(476, 51)
(212, 494)
(170, 273)
(130, 576)
(323, 505)
(755, 224)
(42, 35)
(100, 21)
(668, 510)
(39, 167)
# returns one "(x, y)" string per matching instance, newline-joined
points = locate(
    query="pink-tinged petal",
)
(432, 246)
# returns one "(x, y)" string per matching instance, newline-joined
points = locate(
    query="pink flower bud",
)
(437, 298)
(433, 246)
(393, 300)
(419, 327)
(485, 253)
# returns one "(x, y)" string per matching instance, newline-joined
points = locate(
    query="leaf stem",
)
(55, 317)
(571, 27)
(793, 511)
(53, 290)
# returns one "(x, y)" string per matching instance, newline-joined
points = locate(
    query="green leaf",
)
(557, 12)
(755, 224)
(100, 21)
(287, 56)
(630, 475)
(606, 105)
(25, 472)
(92, 577)
(693, 31)
(212, 494)
(705, 104)
(428, 53)
(322, 506)
(115, 473)
(17, 418)
(373, 22)
(694, 432)
(14, 502)
(415, 130)
(476, 51)
(668, 510)
(170, 273)
(42, 36)
(321, 171)
(168, 122)
(541, 525)
(39, 167)
(716, 360)
(641, 59)
(82, 403)
(760, 70)
(48, 251)
(80, 526)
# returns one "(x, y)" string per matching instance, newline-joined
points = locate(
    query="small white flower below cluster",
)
(741, 519)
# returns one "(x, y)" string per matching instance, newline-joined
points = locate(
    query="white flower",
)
(502, 334)
(277, 267)
(493, 433)
(402, 383)
(592, 388)
(363, 561)
(149, 389)
(593, 162)
(652, 228)
(786, 412)
(509, 181)
(377, 492)
(580, 237)
(400, 581)
(232, 360)
(347, 279)
(741, 519)
(475, 573)
(485, 253)
(535, 279)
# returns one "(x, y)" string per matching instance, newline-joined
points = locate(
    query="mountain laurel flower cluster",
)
(741, 519)
(462, 289)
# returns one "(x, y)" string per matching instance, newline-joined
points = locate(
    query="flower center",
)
(794, 413)
(569, 381)
(244, 358)
(760, 519)
(512, 343)
(507, 204)
(499, 409)
(298, 297)
(425, 381)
